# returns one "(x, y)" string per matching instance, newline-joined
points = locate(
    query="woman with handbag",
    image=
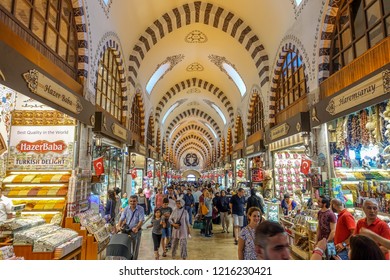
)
(181, 229)
(246, 240)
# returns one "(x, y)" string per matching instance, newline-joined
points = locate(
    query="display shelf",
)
(27, 252)
(43, 193)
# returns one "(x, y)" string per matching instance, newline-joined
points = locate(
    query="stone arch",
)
(196, 138)
(138, 99)
(206, 13)
(191, 172)
(80, 17)
(194, 127)
(151, 127)
(239, 124)
(229, 142)
(276, 73)
(198, 146)
(196, 113)
(158, 141)
(251, 104)
(187, 147)
(328, 28)
(194, 82)
(109, 41)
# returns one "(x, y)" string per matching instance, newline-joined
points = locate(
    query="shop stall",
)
(290, 159)
(108, 156)
(240, 169)
(137, 163)
(357, 122)
(40, 168)
(255, 155)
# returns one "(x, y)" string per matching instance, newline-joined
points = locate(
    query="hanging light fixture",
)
(133, 159)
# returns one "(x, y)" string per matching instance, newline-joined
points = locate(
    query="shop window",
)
(52, 22)
(108, 96)
(292, 83)
(361, 24)
(257, 121)
(135, 121)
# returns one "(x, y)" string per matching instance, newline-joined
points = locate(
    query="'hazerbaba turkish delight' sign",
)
(41, 147)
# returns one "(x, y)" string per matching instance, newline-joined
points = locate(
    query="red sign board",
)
(41, 147)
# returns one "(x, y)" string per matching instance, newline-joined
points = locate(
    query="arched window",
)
(108, 85)
(135, 121)
(191, 178)
(292, 82)
(360, 24)
(239, 130)
(149, 135)
(52, 22)
(257, 121)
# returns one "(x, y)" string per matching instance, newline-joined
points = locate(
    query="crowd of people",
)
(175, 208)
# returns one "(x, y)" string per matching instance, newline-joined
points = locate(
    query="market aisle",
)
(219, 247)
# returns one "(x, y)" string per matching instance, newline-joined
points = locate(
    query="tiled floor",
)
(218, 247)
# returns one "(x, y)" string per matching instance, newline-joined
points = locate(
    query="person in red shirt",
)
(373, 223)
(345, 227)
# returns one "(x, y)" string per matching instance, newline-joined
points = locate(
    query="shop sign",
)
(43, 86)
(356, 95)
(41, 147)
(279, 131)
(235, 155)
(250, 149)
(119, 131)
(142, 149)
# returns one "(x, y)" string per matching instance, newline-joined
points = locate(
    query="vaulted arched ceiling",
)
(197, 38)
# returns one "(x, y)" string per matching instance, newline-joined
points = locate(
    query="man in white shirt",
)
(196, 196)
(5, 207)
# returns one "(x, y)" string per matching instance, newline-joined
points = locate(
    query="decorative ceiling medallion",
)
(196, 36)
(193, 90)
(191, 160)
(193, 104)
(194, 67)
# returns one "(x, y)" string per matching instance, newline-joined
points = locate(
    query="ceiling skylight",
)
(216, 108)
(169, 111)
(298, 2)
(212, 130)
(162, 69)
(157, 76)
(235, 77)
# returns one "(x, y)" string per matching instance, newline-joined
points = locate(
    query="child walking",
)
(157, 224)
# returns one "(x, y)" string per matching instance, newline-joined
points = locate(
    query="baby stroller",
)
(119, 247)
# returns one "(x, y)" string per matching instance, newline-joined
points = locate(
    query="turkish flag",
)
(134, 173)
(158, 174)
(99, 166)
(150, 175)
(240, 173)
(305, 166)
